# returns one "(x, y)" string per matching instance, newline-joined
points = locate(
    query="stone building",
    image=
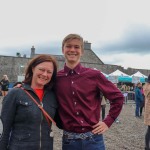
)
(15, 66)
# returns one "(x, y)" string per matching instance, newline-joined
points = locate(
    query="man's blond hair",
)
(71, 37)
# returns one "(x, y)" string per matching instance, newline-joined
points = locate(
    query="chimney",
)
(87, 45)
(32, 52)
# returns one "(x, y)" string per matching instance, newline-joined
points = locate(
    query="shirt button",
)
(72, 71)
(83, 129)
(75, 103)
(77, 113)
(81, 121)
(73, 93)
(72, 82)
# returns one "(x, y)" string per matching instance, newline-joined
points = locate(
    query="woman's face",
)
(42, 75)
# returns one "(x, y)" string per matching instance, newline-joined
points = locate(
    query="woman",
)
(4, 85)
(24, 125)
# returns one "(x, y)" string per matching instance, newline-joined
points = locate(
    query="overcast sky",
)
(119, 30)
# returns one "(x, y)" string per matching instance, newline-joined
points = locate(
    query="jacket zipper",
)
(41, 124)
(41, 130)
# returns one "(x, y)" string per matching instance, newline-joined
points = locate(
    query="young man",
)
(78, 91)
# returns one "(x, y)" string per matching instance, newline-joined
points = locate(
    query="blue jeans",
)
(94, 142)
(137, 109)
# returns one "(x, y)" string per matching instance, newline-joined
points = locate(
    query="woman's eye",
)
(42, 70)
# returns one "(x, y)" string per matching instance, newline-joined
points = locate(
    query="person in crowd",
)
(78, 93)
(142, 104)
(146, 90)
(0, 90)
(4, 85)
(25, 126)
(138, 99)
(103, 107)
(123, 87)
(131, 88)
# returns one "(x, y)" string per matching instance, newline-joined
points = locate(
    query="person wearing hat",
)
(146, 90)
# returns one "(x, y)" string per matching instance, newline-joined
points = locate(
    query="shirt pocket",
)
(24, 106)
(22, 137)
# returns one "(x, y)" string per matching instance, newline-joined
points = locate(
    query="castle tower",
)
(32, 52)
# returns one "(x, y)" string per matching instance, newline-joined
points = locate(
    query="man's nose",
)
(72, 48)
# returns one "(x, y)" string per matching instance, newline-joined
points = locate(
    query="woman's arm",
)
(7, 117)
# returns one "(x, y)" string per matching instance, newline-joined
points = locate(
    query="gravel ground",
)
(128, 134)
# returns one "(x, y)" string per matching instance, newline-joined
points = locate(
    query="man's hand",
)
(17, 85)
(99, 128)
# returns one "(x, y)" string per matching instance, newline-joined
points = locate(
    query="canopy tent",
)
(122, 77)
(139, 74)
(118, 73)
(125, 79)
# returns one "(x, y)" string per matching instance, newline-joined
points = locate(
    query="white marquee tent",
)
(139, 74)
(118, 73)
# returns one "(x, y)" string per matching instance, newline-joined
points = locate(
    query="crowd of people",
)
(47, 96)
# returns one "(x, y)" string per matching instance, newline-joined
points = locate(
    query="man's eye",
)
(77, 47)
(68, 46)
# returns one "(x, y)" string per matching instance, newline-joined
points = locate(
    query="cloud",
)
(135, 39)
(47, 47)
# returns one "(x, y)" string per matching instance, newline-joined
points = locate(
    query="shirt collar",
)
(77, 69)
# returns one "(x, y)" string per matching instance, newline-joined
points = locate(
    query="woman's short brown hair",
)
(37, 60)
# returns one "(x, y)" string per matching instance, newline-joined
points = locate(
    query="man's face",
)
(72, 51)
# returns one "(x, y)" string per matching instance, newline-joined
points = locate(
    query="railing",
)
(129, 96)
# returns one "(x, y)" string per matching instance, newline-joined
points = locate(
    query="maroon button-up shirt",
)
(78, 92)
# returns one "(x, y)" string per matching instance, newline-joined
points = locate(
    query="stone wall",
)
(12, 66)
(15, 66)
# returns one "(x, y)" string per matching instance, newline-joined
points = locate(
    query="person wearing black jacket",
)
(24, 125)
